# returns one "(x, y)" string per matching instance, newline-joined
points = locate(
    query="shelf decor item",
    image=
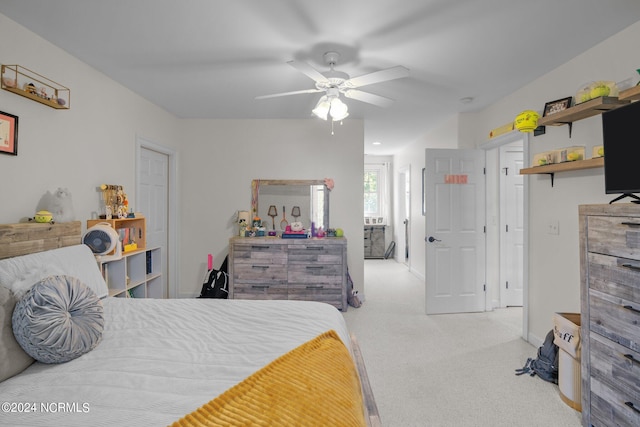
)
(526, 121)
(36, 87)
(8, 134)
(556, 106)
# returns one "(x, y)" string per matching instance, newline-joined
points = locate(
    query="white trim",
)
(173, 202)
(489, 145)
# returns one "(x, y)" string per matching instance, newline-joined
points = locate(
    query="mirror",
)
(280, 202)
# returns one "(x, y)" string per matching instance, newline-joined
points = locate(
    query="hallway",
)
(447, 370)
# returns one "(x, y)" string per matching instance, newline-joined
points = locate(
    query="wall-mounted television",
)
(621, 140)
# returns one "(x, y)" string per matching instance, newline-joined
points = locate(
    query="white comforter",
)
(161, 359)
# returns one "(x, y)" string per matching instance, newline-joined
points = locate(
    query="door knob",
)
(432, 239)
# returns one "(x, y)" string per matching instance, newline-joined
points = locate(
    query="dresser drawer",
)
(259, 273)
(259, 291)
(247, 253)
(316, 253)
(612, 407)
(328, 274)
(615, 318)
(330, 294)
(616, 365)
(617, 236)
(619, 277)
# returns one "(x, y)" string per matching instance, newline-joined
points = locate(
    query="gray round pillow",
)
(58, 319)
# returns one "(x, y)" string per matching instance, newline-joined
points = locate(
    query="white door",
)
(511, 225)
(404, 209)
(455, 231)
(153, 191)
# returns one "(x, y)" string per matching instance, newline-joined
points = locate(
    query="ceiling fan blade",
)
(369, 98)
(392, 73)
(308, 71)
(295, 92)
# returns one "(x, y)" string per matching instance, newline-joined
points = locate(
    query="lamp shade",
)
(322, 108)
(331, 105)
(243, 216)
(339, 109)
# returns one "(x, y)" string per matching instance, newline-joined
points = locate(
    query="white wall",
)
(444, 136)
(220, 159)
(90, 144)
(554, 278)
(94, 142)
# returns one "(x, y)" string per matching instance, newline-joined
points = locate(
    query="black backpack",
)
(546, 365)
(216, 284)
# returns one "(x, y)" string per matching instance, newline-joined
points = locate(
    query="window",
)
(375, 200)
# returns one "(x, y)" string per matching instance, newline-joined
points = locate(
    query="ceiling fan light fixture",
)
(339, 109)
(322, 108)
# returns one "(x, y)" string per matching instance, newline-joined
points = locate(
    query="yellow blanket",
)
(315, 384)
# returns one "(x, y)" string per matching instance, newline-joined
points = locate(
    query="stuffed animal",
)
(59, 204)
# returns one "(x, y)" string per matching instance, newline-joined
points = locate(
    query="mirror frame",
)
(255, 193)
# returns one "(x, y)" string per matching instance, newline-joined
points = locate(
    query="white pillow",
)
(22, 272)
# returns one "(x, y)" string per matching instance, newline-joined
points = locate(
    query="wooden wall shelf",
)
(631, 94)
(597, 162)
(582, 111)
(27, 83)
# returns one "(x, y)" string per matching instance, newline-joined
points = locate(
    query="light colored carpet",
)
(447, 370)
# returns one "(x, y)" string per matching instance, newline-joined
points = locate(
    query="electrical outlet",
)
(553, 227)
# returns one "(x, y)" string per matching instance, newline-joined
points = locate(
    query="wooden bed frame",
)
(27, 238)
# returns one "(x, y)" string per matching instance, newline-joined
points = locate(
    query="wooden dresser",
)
(610, 304)
(295, 269)
(374, 241)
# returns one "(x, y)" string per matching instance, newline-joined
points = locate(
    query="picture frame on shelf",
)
(556, 106)
(8, 134)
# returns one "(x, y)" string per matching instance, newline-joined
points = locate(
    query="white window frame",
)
(383, 194)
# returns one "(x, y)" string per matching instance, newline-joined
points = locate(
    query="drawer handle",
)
(259, 286)
(261, 267)
(314, 248)
(315, 267)
(630, 224)
(630, 308)
(315, 287)
(632, 406)
(261, 248)
(631, 266)
(630, 357)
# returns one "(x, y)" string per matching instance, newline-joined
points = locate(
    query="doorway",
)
(455, 236)
(511, 224)
(506, 194)
(404, 215)
(156, 199)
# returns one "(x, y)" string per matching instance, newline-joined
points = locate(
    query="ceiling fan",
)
(334, 83)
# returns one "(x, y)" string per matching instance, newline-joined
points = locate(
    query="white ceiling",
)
(210, 58)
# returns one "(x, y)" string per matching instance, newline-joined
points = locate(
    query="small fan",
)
(103, 239)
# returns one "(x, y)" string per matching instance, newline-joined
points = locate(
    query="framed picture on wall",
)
(8, 134)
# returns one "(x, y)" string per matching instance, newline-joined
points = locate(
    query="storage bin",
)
(567, 337)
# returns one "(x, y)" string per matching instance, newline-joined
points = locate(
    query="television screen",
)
(621, 140)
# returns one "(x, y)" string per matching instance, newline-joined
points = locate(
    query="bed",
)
(177, 362)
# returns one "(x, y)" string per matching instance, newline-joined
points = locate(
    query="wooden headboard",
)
(30, 237)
